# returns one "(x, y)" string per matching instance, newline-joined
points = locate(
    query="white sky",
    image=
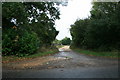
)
(76, 9)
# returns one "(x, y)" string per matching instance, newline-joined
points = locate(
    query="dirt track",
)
(67, 60)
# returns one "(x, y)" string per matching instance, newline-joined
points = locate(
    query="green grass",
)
(95, 53)
(41, 54)
(6, 59)
(59, 46)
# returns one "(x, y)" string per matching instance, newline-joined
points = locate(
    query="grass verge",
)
(59, 46)
(7, 59)
(100, 54)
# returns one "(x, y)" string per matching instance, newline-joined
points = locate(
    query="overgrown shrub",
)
(101, 31)
(19, 45)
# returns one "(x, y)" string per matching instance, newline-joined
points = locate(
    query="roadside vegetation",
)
(59, 46)
(28, 27)
(100, 32)
(13, 58)
(66, 41)
(98, 54)
(62, 43)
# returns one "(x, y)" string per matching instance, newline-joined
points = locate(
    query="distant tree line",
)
(64, 41)
(101, 31)
(27, 27)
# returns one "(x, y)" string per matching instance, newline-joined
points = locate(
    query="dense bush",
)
(28, 44)
(101, 31)
(19, 45)
(28, 26)
(65, 41)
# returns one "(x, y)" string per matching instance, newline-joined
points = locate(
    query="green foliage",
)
(101, 31)
(45, 32)
(78, 32)
(96, 53)
(19, 45)
(28, 26)
(28, 43)
(66, 41)
(57, 42)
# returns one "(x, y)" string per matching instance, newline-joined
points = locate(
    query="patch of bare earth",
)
(31, 63)
(65, 48)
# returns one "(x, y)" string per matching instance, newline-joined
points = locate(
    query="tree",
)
(28, 20)
(66, 41)
(57, 42)
(101, 30)
(78, 30)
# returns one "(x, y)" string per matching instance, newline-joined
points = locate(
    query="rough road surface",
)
(65, 64)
